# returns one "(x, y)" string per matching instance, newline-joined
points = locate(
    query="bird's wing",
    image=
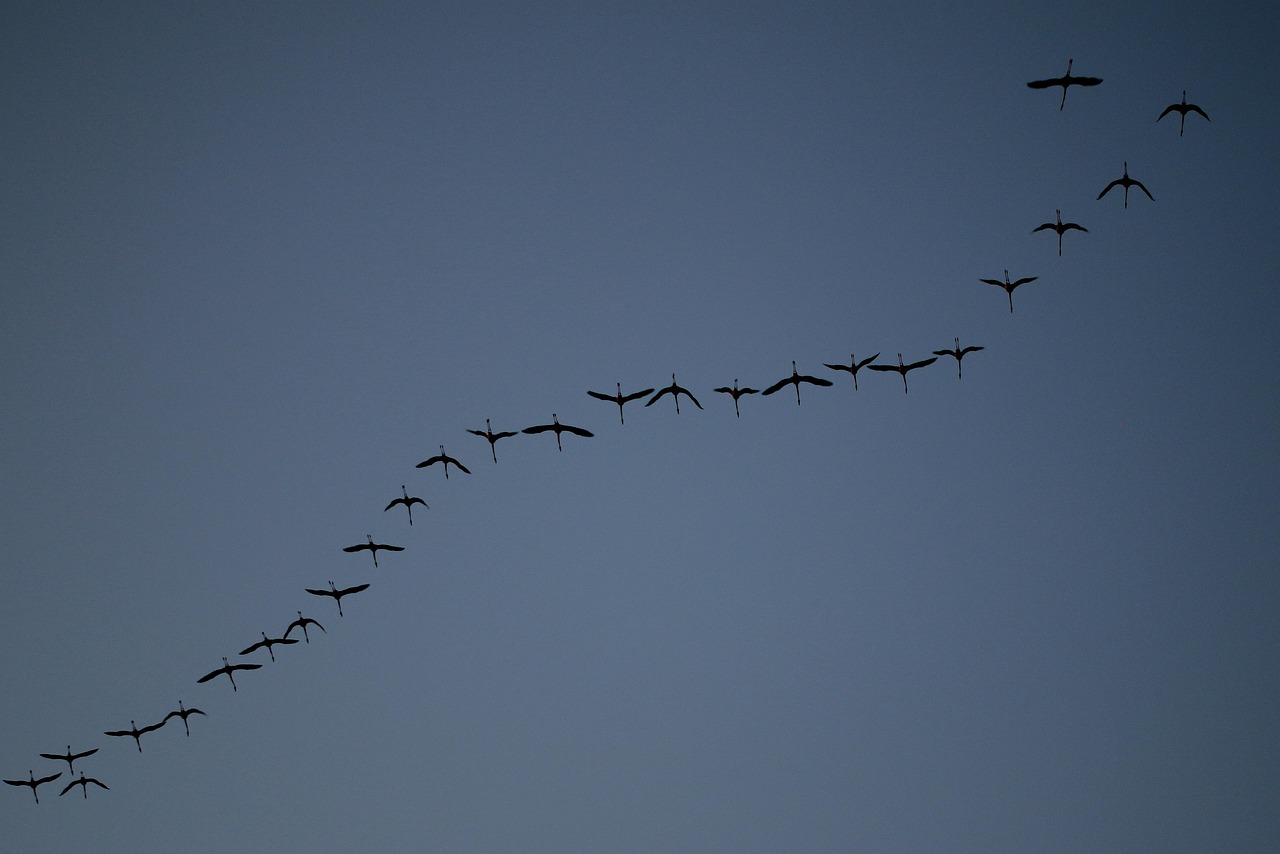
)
(654, 399)
(478, 432)
(287, 641)
(69, 787)
(1023, 281)
(805, 378)
(430, 460)
(86, 753)
(153, 727)
(386, 548)
(18, 782)
(538, 428)
(309, 590)
(505, 434)
(392, 504)
(416, 500)
(1044, 84)
(945, 353)
(124, 731)
(316, 623)
(97, 783)
(195, 711)
(49, 779)
(1143, 188)
(997, 282)
(776, 386)
(577, 431)
(919, 364)
(1194, 109)
(204, 678)
(245, 666)
(689, 395)
(723, 390)
(848, 368)
(258, 645)
(358, 548)
(1067, 226)
(1169, 109)
(355, 589)
(1086, 81)
(1107, 189)
(1049, 225)
(883, 367)
(599, 395)
(52, 756)
(971, 349)
(627, 398)
(460, 466)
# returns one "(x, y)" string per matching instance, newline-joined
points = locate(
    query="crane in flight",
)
(736, 393)
(795, 379)
(493, 437)
(675, 391)
(558, 428)
(184, 713)
(336, 593)
(903, 369)
(267, 643)
(442, 457)
(408, 501)
(853, 367)
(69, 757)
(1008, 285)
(373, 547)
(34, 783)
(959, 355)
(302, 623)
(229, 670)
(1126, 182)
(1064, 81)
(1060, 227)
(621, 398)
(83, 783)
(137, 732)
(1182, 110)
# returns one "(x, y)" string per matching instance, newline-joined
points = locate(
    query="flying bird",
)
(33, 782)
(736, 393)
(408, 501)
(1182, 109)
(1126, 182)
(853, 367)
(902, 369)
(83, 783)
(958, 354)
(268, 643)
(373, 547)
(137, 732)
(1008, 285)
(558, 428)
(675, 391)
(620, 398)
(184, 713)
(442, 457)
(302, 623)
(1064, 81)
(795, 379)
(336, 593)
(229, 670)
(493, 437)
(69, 757)
(1059, 227)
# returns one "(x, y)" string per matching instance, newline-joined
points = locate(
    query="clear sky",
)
(259, 260)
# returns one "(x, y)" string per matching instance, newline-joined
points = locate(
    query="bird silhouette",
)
(620, 398)
(1059, 227)
(302, 623)
(184, 713)
(795, 379)
(1126, 182)
(675, 391)
(1008, 285)
(83, 783)
(408, 501)
(137, 732)
(336, 593)
(493, 437)
(229, 670)
(958, 354)
(736, 393)
(267, 643)
(1182, 110)
(853, 367)
(69, 757)
(373, 547)
(442, 457)
(1064, 81)
(33, 782)
(902, 369)
(558, 428)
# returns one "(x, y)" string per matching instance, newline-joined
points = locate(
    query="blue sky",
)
(262, 261)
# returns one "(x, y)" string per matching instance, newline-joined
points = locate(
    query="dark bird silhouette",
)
(620, 398)
(1059, 227)
(736, 393)
(442, 457)
(302, 623)
(1126, 182)
(558, 428)
(902, 369)
(184, 713)
(853, 367)
(336, 593)
(268, 643)
(33, 782)
(675, 391)
(1182, 109)
(493, 437)
(69, 757)
(1008, 285)
(795, 379)
(83, 783)
(958, 354)
(408, 501)
(228, 669)
(136, 732)
(1064, 81)
(373, 547)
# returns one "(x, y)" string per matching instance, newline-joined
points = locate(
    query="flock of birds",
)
(795, 379)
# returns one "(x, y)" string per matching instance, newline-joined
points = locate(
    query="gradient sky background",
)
(261, 259)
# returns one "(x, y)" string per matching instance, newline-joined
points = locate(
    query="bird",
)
(1064, 81)
(902, 369)
(268, 643)
(442, 457)
(336, 593)
(1182, 109)
(69, 757)
(184, 713)
(795, 379)
(1008, 285)
(558, 428)
(302, 623)
(1126, 182)
(1059, 227)
(33, 782)
(736, 393)
(959, 355)
(853, 367)
(228, 669)
(675, 391)
(408, 502)
(493, 437)
(620, 398)
(83, 783)
(137, 732)
(373, 547)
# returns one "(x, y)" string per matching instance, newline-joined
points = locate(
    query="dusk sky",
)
(260, 260)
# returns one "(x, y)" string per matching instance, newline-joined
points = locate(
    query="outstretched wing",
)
(599, 396)
(1052, 226)
(883, 367)
(668, 390)
(577, 431)
(309, 590)
(1086, 81)
(1143, 188)
(347, 590)
(776, 386)
(970, 349)
(204, 678)
(946, 353)
(248, 649)
(460, 466)
(1116, 183)
(805, 378)
(438, 458)
(627, 398)
(689, 395)
(1192, 108)
(1023, 281)
(1044, 84)
(919, 364)
(997, 282)
(539, 428)
(358, 548)
(1067, 226)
